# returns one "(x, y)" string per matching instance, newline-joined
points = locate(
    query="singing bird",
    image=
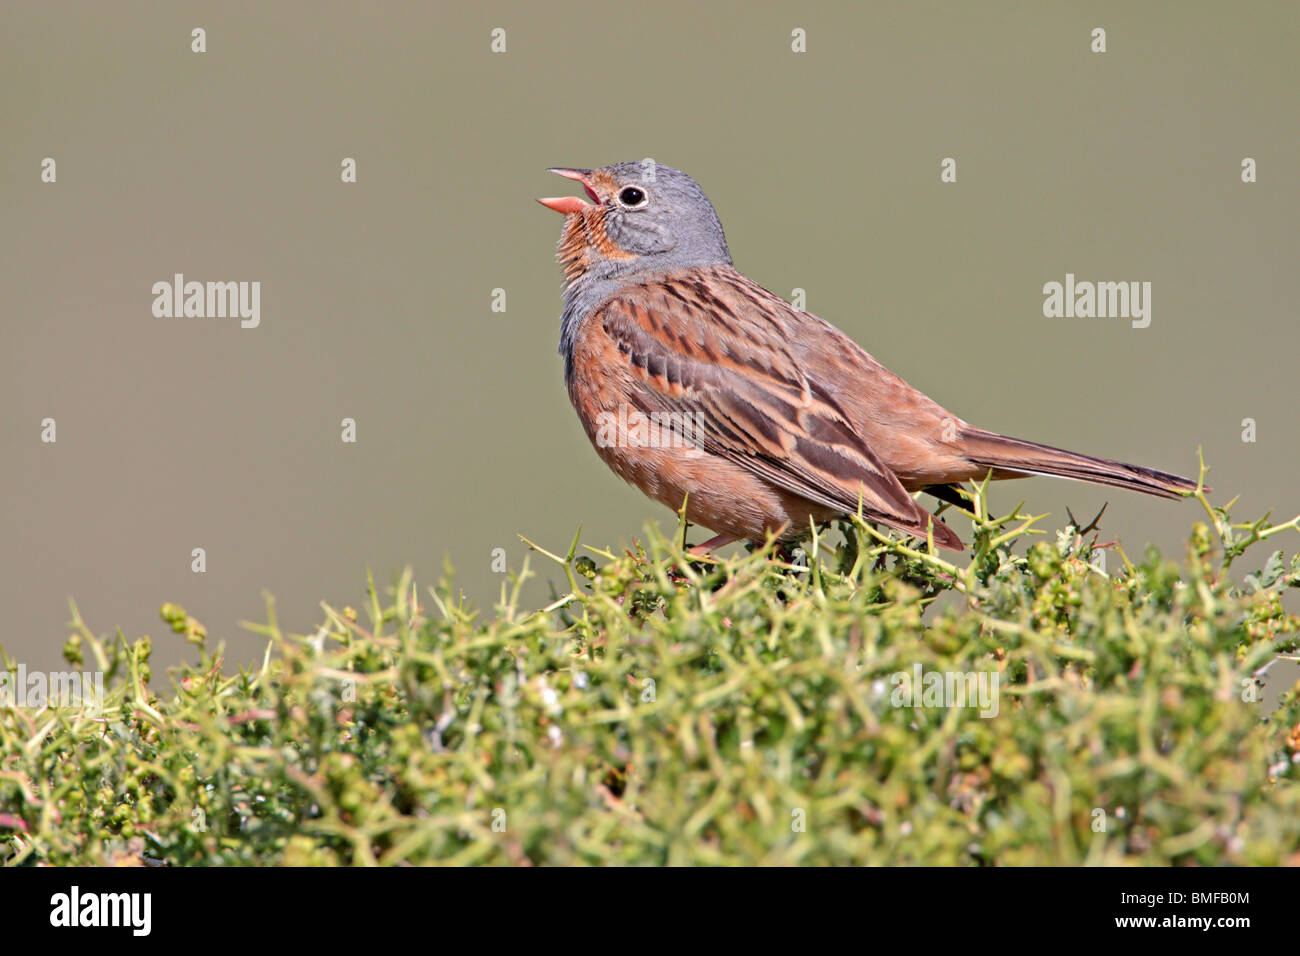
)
(773, 418)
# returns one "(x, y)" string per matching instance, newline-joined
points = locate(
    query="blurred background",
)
(376, 297)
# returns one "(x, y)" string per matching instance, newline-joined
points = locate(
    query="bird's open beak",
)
(571, 204)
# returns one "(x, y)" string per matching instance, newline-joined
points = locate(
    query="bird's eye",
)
(632, 197)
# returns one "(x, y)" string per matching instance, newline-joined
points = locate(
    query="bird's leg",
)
(717, 541)
(947, 494)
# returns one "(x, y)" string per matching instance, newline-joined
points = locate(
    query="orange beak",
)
(568, 205)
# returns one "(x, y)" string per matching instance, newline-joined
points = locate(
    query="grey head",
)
(645, 217)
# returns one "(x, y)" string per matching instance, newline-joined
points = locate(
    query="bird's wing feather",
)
(702, 348)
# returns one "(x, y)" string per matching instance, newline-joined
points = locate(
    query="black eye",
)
(632, 196)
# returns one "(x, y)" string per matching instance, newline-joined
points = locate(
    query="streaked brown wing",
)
(694, 344)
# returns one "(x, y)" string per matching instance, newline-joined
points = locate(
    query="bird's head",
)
(643, 217)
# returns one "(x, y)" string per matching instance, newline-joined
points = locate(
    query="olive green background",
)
(376, 297)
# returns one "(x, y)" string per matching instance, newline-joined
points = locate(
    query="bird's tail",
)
(1013, 457)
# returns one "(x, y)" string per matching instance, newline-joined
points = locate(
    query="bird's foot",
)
(717, 541)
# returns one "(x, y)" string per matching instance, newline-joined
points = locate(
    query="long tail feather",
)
(1004, 454)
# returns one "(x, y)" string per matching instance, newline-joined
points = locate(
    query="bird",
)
(703, 389)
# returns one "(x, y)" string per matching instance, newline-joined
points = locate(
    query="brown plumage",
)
(775, 417)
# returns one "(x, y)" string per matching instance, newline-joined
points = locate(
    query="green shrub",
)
(662, 710)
